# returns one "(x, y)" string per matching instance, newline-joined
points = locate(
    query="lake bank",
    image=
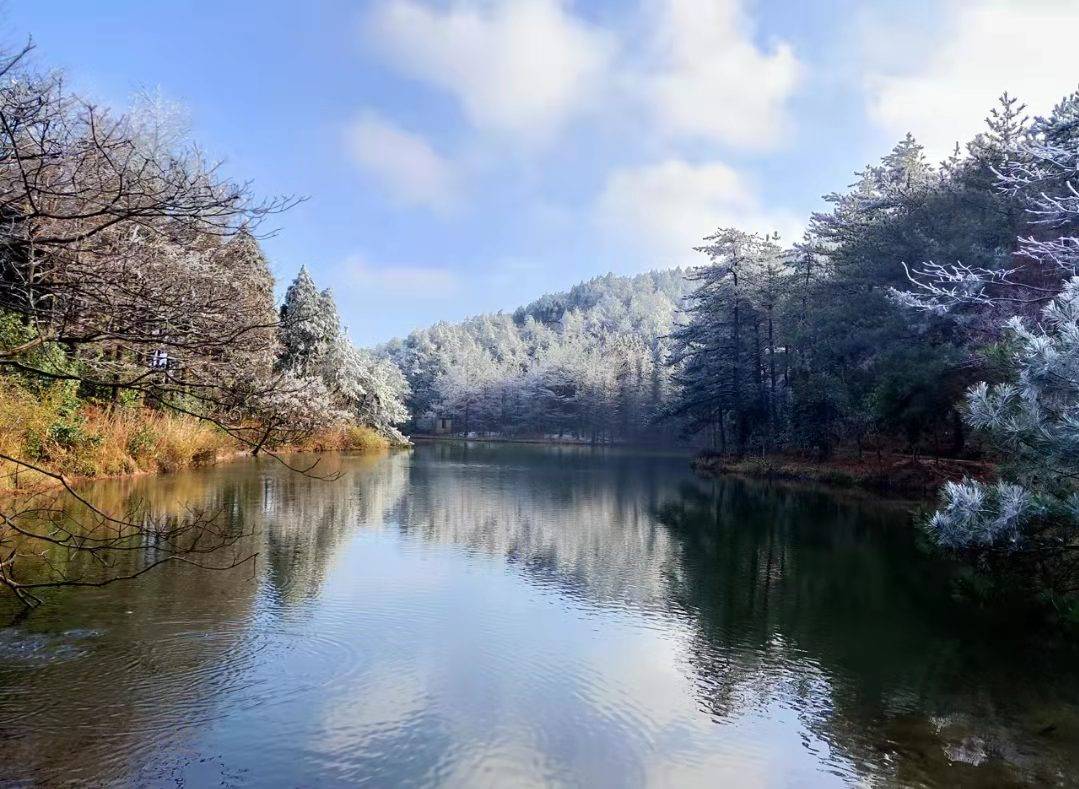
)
(889, 474)
(60, 444)
(687, 452)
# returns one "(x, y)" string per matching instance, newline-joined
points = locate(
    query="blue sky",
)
(462, 156)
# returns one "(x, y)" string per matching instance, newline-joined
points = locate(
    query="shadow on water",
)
(533, 614)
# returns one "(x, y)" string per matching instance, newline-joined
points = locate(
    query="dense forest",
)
(588, 364)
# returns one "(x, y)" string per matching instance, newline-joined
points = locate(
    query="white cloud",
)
(519, 66)
(1027, 47)
(663, 210)
(713, 81)
(527, 67)
(413, 282)
(405, 163)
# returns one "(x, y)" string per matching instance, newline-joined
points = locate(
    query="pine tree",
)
(309, 326)
(719, 352)
(1033, 419)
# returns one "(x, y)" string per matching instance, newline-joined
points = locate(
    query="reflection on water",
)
(502, 615)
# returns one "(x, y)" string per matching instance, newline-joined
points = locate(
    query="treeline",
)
(809, 347)
(588, 364)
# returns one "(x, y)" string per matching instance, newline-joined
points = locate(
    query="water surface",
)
(497, 615)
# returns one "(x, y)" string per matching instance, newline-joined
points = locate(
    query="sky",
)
(466, 156)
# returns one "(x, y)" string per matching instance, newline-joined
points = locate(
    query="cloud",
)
(712, 81)
(523, 67)
(413, 282)
(1027, 47)
(527, 67)
(662, 210)
(403, 162)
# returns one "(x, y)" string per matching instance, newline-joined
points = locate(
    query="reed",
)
(54, 429)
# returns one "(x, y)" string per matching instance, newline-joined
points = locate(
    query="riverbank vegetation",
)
(84, 439)
(138, 330)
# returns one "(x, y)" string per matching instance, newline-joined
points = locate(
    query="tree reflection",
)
(781, 599)
(136, 658)
(576, 517)
(827, 606)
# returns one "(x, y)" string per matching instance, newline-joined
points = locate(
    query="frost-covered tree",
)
(344, 371)
(1047, 175)
(294, 409)
(1033, 419)
(309, 326)
(382, 405)
(358, 386)
(726, 347)
(1037, 169)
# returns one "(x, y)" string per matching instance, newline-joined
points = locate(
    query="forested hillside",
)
(588, 364)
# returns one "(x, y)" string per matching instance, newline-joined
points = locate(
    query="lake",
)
(511, 615)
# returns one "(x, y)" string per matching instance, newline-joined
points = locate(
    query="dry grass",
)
(356, 438)
(58, 432)
(53, 430)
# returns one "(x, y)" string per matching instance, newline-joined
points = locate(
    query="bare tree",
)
(129, 257)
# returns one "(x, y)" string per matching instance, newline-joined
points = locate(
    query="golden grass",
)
(357, 438)
(54, 430)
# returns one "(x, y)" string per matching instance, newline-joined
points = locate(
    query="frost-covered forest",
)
(588, 364)
(865, 332)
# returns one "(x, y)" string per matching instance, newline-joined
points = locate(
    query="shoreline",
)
(75, 481)
(892, 475)
(554, 442)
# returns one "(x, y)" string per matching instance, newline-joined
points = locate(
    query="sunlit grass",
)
(55, 430)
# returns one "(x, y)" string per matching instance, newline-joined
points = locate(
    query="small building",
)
(443, 425)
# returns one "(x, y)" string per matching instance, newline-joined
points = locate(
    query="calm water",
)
(514, 616)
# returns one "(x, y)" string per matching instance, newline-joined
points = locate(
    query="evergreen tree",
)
(1033, 420)
(303, 334)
